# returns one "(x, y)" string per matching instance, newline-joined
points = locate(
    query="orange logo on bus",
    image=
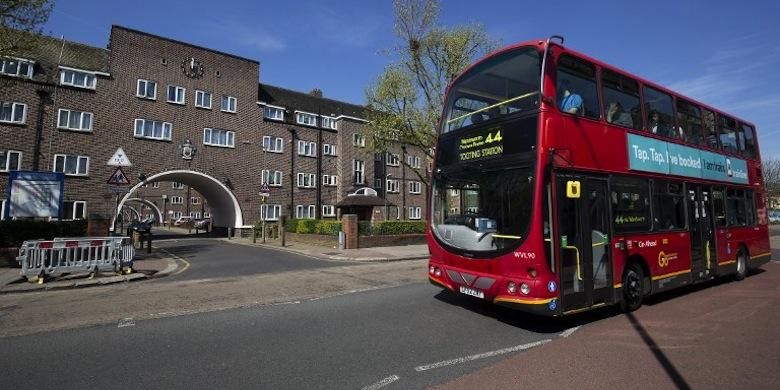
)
(664, 259)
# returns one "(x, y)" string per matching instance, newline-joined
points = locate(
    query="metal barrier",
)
(45, 258)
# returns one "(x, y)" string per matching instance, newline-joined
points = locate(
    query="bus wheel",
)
(741, 265)
(633, 290)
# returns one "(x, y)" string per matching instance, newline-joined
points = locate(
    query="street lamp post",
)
(165, 209)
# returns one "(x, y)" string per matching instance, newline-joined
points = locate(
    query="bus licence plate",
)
(472, 291)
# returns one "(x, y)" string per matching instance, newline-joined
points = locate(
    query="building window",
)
(330, 180)
(147, 89)
(392, 186)
(156, 184)
(328, 150)
(270, 212)
(177, 186)
(275, 113)
(74, 209)
(328, 210)
(218, 137)
(195, 214)
(145, 128)
(308, 149)
(273, 144)
(358, 140)
(273, 179)
(71, 165)
(305, 212)
(393, 160)
(415, 187)
(229, 103)
(413, 161)
(307, 119)
(177, 200)
(176, 214)
(307, 180)
(74, 120)
(206, 214)
(378, 183)
(415, 213)
(13, 112)
(75, 78)
(359, 171)
(202, 99)
(176, 94)
(328, 122)
(10, 160)
(195, 200)
(17, 67)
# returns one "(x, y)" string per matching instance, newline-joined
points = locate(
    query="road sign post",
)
(265, 192)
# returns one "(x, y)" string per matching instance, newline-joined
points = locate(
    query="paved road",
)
(215, 258)
(344, 342)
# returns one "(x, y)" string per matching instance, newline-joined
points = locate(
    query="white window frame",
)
(206, 214)
(415, 212)
(81, 161)
(308, 149)
(358, 140)
(359, 171)
(305, 211)
(208, 137)
(305, 118)
(195, 214)
(19, 61)
(273, 144)
(156, 184)
(166, 128)
(415, 187)
(413, 161)
(393, 186)
(272, 178)
(276, 212)
(378, 183)
(175, 199)
(330, 180)
(179, 94)
(14, 107)
(73, 216)
(232, 104)
(175, 214)
(393, 160)
(275, 113)
(177, 186)
(328, 122)
(201, 101)
(146, 89)
(195, 200)
(81, 114)
(306, 180)
(329, 150)
(328, 210)
(2, 209)
(7, 166)
(90, 78)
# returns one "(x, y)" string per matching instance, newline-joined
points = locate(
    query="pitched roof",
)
(301, 101)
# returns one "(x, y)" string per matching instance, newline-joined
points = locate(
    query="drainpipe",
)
(292, 169)
(43, 99)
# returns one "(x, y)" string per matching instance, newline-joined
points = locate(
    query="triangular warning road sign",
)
(119, 178)
(119, 159)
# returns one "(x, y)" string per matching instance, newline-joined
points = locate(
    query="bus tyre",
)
(742, 262)
(633, 288)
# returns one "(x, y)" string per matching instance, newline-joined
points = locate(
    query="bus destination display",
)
(485, 144)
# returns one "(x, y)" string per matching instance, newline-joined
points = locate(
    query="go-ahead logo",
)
(664, 259)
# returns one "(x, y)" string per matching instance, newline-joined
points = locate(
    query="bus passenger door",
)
(583, 242)
(700, 223)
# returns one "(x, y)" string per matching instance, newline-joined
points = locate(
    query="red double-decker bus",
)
(563, 184)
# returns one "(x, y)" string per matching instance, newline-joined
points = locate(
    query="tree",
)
(405, 101)
(20, 24)
(771, 171)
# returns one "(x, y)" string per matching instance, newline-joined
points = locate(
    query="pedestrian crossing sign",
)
(119, 178)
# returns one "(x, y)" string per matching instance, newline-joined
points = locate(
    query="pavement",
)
(368, 255)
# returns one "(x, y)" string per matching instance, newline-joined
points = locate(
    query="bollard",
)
(282, 233)
(137, 239)
(254, 235)
(149, 242)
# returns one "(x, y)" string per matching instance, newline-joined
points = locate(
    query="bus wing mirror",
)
(573, 189)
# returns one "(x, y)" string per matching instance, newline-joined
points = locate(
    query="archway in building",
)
(151, 205)
(225, 209)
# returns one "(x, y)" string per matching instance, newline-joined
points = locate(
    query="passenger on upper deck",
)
(568, 101)
(616, 115)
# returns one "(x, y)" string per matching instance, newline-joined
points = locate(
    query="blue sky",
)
(724, 53)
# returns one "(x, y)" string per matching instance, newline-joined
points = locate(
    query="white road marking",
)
(481, 356)
(186, 263)
(566, 333)
(382, 383)
(125, 322)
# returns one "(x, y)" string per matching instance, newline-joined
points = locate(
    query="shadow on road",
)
(664, 361)
(187, 250)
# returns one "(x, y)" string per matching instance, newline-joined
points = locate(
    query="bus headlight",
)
(431, 269)
(525, 289)
(511, 288)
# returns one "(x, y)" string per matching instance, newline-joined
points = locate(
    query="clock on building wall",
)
(192, 68)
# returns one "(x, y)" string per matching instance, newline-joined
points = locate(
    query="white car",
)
(182, 221)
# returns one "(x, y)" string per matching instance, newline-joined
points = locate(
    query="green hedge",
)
(384, 228)
(14, 232)
(313, 226)
(365, 228)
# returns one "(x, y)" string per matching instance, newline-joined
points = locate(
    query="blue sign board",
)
(652, 155)
(35, 194)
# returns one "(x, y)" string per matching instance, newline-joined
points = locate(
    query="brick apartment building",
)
(67, 107)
